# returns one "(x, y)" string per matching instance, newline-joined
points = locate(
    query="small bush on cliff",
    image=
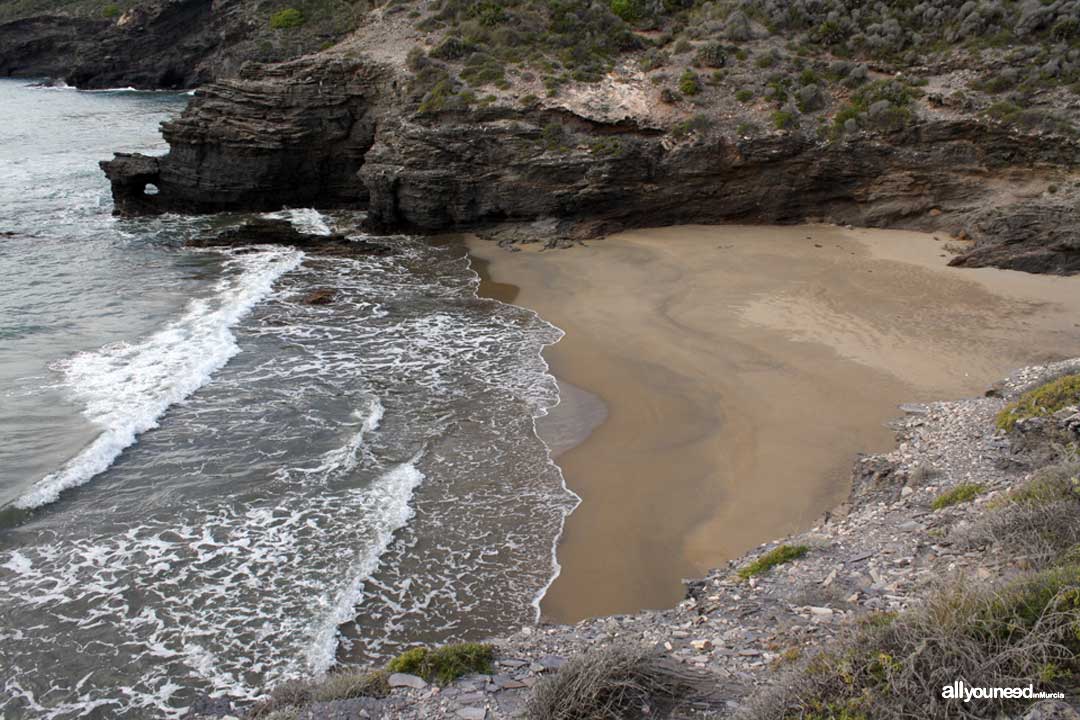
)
(777, 556)
(445, 664)
(606, 147)
(712, 55)
(111, 10)
(615, 682)
(1044, 400)
(962, 493)
(287, 18)
(689, 83)
(1008, 635)
(482, 69)
(335, 686)
(697, 124)
(630, 10)
(782, 119)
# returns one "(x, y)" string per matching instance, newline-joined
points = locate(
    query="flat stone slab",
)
(406, 680)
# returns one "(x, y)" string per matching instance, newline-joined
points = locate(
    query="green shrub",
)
(994, 83)
(689, 83)
(712, 55)
(451, 48)
(829, 33)
(445, 664)
(1044, 400)
(606, 147)
(698, 123)
(630, 10)
(1004, 111)
(962, 493)
(782, 119)
(744, 95)
(808, 77)
(416, 59)
(553, 135)
(287, 18)
(487, 13)
(111, 10)
(1065, 29)
(682, 46)
(482, 69)
(777, 556)
(653, 59)
(765, 61)
(894, 91)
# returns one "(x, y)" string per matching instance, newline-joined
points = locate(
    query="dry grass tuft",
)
(1010, 635)
(293, 694)
(1038, 520)
(617, 682)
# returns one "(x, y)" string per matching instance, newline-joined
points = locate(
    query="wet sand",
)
(741, 369)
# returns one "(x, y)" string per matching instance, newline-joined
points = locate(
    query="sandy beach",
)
(740, 370)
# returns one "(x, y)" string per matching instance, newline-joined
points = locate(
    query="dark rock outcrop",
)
(295, 136)
(333, 133)
(159, 44)
(321, 296)
(433, 176)
(151, 46)
(265, 231)
(1037, 237)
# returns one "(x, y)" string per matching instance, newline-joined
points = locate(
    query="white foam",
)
(541, 409)
(306, 220)
(344, 459)
(388, 499)
(125, 388)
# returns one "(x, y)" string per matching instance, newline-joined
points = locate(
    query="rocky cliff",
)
(642, 128)
(158, 44)
(333, 132)
(296, 134)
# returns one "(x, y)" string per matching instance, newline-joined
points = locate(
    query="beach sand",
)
(741, 369)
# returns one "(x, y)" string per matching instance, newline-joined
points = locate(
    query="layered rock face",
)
(332, 133)
(294, 135)
(159, 46)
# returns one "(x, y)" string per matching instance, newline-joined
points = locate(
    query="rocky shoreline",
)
(331, 132)
(881, 552)
(435, 120)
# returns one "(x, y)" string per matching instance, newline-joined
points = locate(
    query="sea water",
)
(204, 479)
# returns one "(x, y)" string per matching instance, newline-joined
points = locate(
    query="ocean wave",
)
(125, 388)
(306, 220)
(388, 499)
